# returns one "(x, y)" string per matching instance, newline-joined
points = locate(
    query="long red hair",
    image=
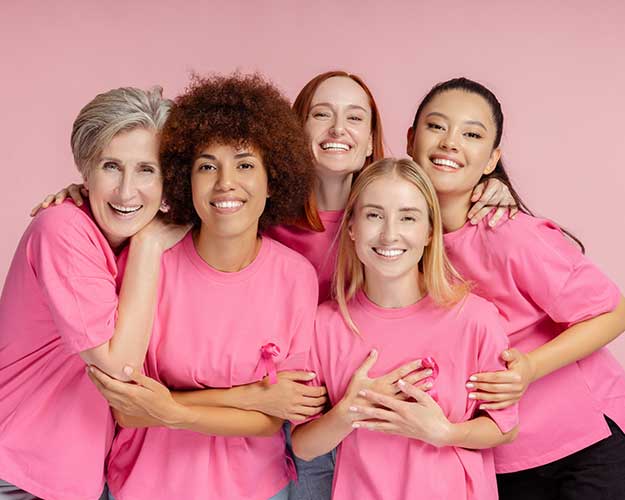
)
(301, 106)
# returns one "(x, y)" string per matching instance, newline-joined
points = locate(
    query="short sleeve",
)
(557, 277)
(76, 274)
(493, 341)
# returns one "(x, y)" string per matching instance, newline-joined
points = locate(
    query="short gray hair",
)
(115, 111)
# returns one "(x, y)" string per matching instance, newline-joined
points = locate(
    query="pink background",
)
(558, 69)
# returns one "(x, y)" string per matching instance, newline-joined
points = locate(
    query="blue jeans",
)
(283, 494)
(10, 492)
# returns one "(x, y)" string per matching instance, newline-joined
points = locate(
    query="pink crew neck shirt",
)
(320, 248)
(541, 283)
(208, 332)
(462, 339)
(59, 298)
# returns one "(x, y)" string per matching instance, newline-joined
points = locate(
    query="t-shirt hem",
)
(552, 456)
(17, 478)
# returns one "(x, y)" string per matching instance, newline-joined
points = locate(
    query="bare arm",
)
(137, 301)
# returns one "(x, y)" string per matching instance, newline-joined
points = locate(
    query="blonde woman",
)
(398, 299)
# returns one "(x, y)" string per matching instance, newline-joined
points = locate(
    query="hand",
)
(289, 398)
(142, 397)
(489, 194)
(503, 388)
(422, 419)
(385, 384)
(75, 191)
(162, 234)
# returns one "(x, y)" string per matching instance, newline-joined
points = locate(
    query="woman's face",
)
(339, 126)
(453, 141)
(125, 185)
(390, 228)
(230, 189)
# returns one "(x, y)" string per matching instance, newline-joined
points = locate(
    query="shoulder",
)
(477, 312)
(291, 259)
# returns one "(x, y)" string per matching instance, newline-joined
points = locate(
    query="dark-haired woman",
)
(559, 311)
(234, 306)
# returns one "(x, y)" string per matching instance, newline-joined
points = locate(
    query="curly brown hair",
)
(242, 110)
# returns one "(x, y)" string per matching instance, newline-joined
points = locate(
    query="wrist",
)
(341, 415)
(450, 435)
(182, 417)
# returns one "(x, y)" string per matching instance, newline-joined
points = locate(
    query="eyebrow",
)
(349, 106)
(403, 209)
(468, 122)
(245, 154)
(117, 160)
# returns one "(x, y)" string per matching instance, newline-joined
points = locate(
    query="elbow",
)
(298, 450)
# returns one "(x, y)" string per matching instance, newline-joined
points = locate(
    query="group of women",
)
(448, 358)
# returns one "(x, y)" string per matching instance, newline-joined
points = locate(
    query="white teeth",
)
(445, 163)
(335, 145)
(388, 252)
(125, 210)
(228, 204)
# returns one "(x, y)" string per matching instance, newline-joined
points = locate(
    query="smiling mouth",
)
(227, 205)
(125, 211)
(389, 253)
(335, 146)
(443, 162)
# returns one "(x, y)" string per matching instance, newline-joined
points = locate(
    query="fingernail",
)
(312, 374)
(429, 371)
(401, 383)
(483, 407)
(419, 363)
(355, 425)
(353, 408)
(428, 385)
(473, 378)
(373, 352)
(474, 221)
(91, 369)
(472, 395)
(492, 223)
(128, 370)
(362, 393)
(470, 385)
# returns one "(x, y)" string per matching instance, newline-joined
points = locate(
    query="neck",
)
(332, 191)
(227, 254)
(454, 210)
(393, 293)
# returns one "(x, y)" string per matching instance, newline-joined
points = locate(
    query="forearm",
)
(242, 397)
(137, 304)
(321, 435)
(478, 433)
(217, 421)
(578, 341)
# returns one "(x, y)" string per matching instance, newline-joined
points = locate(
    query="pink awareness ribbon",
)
(268, 352)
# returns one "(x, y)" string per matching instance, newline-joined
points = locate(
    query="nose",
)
(389, 231)
(127, 185)
(225, 179)
(338, 126)
(449, 141)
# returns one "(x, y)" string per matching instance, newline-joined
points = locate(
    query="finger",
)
(417, 394)
(500, 377)
(47, 201)
(477, 193)
(74, 191)
(497, 216)
(513, 211)
(381, 399)
(368, 363)
(404, 370)
(371, 412)
(495, 388)
(483, 212)
(313, 391)
(372, 425)
(497, 406)
(308, 411)
(493, 397)
(483, 201)
(321, 401)
(35, 209)
(141, 379)
(297, 375)
(511, 355)
(60, 196)
(416, 376)
(110, 383)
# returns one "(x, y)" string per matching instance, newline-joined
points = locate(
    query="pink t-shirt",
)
(461, 339)
(320, 248)
(209, 331)
(59, 298)
(541, 284)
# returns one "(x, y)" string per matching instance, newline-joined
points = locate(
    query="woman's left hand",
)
(487, 195)
(421, 418)
(141, 397)
(503, 388)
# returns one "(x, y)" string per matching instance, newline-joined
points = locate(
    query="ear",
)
(409, 141)
(350, 231)
(429, 240)
(492, 161)
(164, 207)
(370, 145)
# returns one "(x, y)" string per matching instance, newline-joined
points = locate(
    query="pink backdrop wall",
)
(558, 69)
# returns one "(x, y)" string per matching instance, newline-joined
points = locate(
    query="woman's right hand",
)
(386, 384)
(77, 192)
(161, 233)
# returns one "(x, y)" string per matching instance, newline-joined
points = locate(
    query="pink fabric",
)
(210, 331)
(541, 283)
(462, 339)
(320, 249)
(59, 298)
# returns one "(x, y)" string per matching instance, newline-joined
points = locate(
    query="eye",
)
(246, 166)
(373, 215)
(355, 118)
(473, 135)
(110, 165)
(321, 114)
(433, 126)
(148, 169)
(408, 218)
(206, 167)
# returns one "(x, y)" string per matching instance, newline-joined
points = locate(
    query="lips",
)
(446, 163)
(389, 253)
(335, 146)
(227, 205)
(125, 210)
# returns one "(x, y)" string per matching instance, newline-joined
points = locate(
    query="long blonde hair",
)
(441, 280)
